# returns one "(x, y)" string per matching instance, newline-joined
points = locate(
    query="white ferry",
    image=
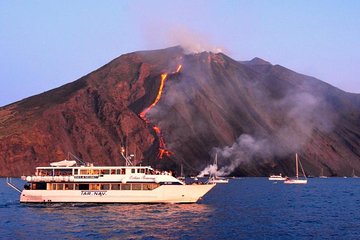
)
(66, 182)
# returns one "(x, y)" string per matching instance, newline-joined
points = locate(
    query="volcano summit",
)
(253, 114)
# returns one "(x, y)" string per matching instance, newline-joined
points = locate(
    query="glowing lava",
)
(162, 146)
(178, 69)
(158, 96)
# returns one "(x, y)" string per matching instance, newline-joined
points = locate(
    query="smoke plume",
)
(304, 114)
(192, 42)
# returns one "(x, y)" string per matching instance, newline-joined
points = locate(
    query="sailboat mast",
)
(215, 166)
(297, 167)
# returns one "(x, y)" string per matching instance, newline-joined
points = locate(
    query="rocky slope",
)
(252, 114)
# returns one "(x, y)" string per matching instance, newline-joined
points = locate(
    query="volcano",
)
(252, 114)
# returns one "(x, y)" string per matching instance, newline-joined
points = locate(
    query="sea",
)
(245, 208)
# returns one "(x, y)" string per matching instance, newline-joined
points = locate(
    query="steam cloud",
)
(305, 112)
(192, 42)
(174, 35)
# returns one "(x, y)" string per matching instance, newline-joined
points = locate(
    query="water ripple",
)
(252, 208)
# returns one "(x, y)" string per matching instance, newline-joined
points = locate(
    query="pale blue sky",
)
(45, 44)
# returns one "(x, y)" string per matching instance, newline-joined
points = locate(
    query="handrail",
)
(9, 183)
(70, 154)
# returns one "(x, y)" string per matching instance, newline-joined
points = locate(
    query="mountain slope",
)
(254, 115)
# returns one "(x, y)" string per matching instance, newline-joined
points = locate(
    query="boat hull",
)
(218, 180)
(296, 181)
(222, 181)
(162, 194)
(277, 178)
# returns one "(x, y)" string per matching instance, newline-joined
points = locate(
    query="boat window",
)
(150, 186)
(41, 186)
(125, 186)
(83, 172)
(123, 171)
(115, 186)
(63, 172)
(43, 172)
(133, 170)
(118, 171)
(94, 186)
(95, 172)
(51, 186)
(136, 186)
(113, 172)
(105, 186)
(141, 170)
(69, 186)
(170, 183)
(104, 171)
(76, 171)
(83, 186)
(38, 186)
(59, 186)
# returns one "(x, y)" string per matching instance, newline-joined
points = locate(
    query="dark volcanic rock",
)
(254, 115)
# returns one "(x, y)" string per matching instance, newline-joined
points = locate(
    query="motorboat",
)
(218, 180)
(277, 177)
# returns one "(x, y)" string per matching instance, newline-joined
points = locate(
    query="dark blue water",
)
(248, 208)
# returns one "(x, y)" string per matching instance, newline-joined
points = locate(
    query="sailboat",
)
(297, 180)
(353, 174)
(322, 174)
(216, 179)
(182, 177)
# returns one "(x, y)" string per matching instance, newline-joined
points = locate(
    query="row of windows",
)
(99, 171)
(94, 186)
(120, 171)
(68, 172)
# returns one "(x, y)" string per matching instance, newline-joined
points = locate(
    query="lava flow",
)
(143, 113)
(162, 145)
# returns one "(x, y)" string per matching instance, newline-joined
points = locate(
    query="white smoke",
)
(243, 150)
(304, 113)
(192, 42)
(162, 34)
(211, 170)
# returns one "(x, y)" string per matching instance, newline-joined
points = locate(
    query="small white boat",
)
(354, 175)
(277, 178)
(322, 174)
(63, 163)
(297, 180)
(213, 179)
(218, 180)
